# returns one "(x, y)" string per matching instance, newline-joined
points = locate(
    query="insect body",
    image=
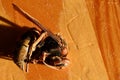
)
(40, 46)
(23, 49)
(50, 53)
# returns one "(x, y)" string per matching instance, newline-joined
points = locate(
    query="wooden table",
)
(90, 27)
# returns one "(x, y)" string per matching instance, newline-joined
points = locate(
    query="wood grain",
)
(91, 28)
(106, 20)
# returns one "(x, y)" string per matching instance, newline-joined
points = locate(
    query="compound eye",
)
(64, 52)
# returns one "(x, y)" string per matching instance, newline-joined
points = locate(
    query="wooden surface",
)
(91, 28)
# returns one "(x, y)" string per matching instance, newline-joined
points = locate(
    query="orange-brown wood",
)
(90, 27)
(106, 20)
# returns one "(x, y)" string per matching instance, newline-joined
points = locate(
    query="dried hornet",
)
(40, 45)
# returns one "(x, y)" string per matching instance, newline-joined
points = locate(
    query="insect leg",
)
(33, 46)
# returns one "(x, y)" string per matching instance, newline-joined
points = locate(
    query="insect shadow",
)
(9, 34)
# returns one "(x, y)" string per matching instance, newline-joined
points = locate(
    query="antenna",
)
(36, 22)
